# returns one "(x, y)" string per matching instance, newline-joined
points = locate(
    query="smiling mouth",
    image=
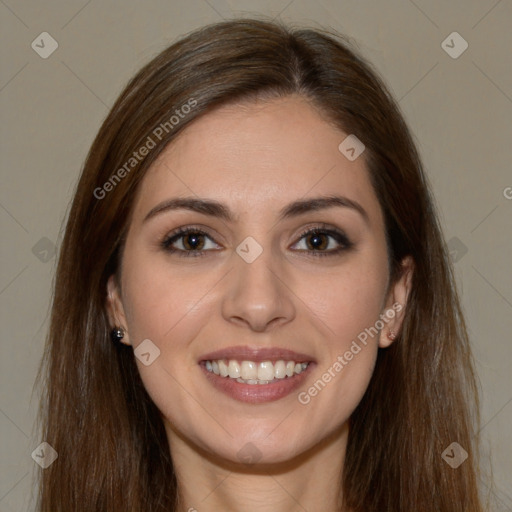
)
(252, 372)
(256, 374)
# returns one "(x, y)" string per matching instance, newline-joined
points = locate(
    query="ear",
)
(115, 308)
(396, 303)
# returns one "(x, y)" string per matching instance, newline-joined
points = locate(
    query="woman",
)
(254, 308)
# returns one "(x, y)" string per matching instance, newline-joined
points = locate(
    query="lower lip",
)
(257, 393)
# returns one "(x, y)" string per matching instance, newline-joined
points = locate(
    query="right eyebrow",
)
(205, 206)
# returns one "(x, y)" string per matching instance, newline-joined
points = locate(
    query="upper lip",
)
(257, 354)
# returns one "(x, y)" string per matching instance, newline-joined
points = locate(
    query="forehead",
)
(259, 156)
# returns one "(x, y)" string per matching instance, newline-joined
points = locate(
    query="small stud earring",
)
(391, 335)
(117, 334)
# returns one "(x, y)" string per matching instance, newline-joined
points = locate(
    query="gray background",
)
(459, 110)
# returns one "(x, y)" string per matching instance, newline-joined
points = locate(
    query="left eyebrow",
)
(294, 209)
(321, 203)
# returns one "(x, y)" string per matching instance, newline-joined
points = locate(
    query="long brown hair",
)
(113, 451)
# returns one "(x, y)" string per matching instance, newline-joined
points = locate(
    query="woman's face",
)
(283, 268)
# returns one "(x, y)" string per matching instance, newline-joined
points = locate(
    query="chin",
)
(253, 447)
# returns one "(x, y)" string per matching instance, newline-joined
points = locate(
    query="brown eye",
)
(189, 242)
(317, 241)
(323, 242)
(193, 241)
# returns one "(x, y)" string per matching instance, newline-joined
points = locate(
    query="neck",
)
(311, 481)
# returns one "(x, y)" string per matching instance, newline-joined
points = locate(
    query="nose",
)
(258, 295)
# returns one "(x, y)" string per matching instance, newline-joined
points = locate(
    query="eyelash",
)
(339, 236)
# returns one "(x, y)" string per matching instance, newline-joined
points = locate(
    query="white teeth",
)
(234, 369)
(265, 370)
(223, 369)
(280, 369)
(250, 372)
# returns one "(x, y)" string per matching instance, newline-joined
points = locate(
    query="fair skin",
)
(255, 159)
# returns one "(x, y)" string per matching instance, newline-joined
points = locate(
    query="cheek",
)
(170, 310)
(347, 301)
(347, 306)
(159, 303)
(169, 307)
